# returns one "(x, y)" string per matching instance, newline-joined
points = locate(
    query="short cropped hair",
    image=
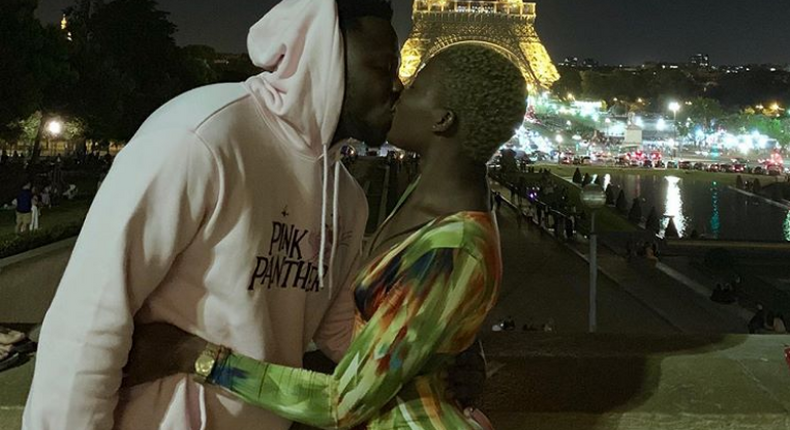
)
(486, 91)
(350, 11)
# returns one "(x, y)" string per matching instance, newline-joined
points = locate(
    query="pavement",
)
(545, 278)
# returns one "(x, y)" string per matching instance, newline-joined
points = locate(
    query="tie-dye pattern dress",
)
(418, 304)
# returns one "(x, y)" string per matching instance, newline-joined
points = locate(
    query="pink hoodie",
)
(215, 218)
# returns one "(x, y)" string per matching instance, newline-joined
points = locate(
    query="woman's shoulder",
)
(463, 230)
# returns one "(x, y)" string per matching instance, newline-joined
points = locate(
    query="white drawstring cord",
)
(322, 253)
(335, 202)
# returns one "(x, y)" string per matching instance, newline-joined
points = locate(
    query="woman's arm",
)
(424, 308)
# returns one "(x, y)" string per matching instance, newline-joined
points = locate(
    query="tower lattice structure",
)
(504, 25)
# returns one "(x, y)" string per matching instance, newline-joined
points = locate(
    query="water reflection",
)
(715, 219)
(714, 210)
(787, 227)
(674, 205)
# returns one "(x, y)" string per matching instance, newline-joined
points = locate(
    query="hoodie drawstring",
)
(335, 202)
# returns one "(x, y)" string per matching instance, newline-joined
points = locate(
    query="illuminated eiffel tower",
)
(504, 25)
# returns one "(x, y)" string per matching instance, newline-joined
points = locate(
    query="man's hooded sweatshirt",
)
(213, 219)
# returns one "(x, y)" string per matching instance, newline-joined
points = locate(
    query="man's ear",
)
(445, 122)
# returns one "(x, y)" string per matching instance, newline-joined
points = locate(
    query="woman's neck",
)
(451, 183)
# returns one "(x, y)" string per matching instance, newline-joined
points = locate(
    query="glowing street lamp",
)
(55, 127)
(674, 107)
(559, 139)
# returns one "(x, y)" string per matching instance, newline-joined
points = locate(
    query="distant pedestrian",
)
(24, 209)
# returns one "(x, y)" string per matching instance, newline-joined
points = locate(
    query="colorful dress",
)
(418, 305)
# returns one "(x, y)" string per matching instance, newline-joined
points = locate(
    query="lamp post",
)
(594, 198)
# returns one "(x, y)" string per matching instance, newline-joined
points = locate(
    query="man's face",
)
(372, 83)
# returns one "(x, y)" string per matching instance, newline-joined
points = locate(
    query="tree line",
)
(112, 65)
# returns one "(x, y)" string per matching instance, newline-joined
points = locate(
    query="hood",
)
(299, 46)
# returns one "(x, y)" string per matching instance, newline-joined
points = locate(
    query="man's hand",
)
(466, 378)
(160, 350)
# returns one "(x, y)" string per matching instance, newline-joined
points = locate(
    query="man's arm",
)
(148, 210)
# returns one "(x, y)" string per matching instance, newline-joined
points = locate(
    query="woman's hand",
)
(160, 350)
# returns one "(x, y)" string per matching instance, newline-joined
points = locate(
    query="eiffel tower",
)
(504, 25)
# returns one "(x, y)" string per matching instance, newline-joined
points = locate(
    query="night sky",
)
(611, 31)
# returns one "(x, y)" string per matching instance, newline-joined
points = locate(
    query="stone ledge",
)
(555, 381)
(577, 381)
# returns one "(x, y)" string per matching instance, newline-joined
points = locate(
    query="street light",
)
(55, 127)
(674, 107)
(594, 198)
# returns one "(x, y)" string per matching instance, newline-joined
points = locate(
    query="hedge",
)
(16, 244)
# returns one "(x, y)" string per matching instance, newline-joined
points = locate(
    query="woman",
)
(434, 271)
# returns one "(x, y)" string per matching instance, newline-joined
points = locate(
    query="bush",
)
(652, 224)
(621, 204)
(609, 195)
(757, 188)
(599, 180)
(635, 214)
(577, 176)
(17, 244)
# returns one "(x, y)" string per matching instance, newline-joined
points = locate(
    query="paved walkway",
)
(545, 278)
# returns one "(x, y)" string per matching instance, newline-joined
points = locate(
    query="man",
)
(24, 209)
(228, 216)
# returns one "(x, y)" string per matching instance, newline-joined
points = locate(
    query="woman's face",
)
(417, 111)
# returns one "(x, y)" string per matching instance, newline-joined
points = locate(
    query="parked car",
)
(758, 170)
(685, 165)
(647, 164)
(774, 170)
(738, 168)
(672, 164)
(699, 166)
(727, 168)
(714, 167)
(658, 164)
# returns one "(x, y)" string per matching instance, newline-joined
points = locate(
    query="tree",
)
(577, 176)
(570, 82)
(621, 204)
(128, 64)
(652, 224)
(635, 214)
(671, 232)
(35, 71)
(610, 195)
(704, 112)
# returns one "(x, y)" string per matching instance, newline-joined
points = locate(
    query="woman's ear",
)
(445, 122)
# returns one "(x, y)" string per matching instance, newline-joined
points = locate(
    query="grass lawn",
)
(566, 171)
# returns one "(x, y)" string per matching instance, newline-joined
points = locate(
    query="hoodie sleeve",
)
(431, 305)
(149, 208)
